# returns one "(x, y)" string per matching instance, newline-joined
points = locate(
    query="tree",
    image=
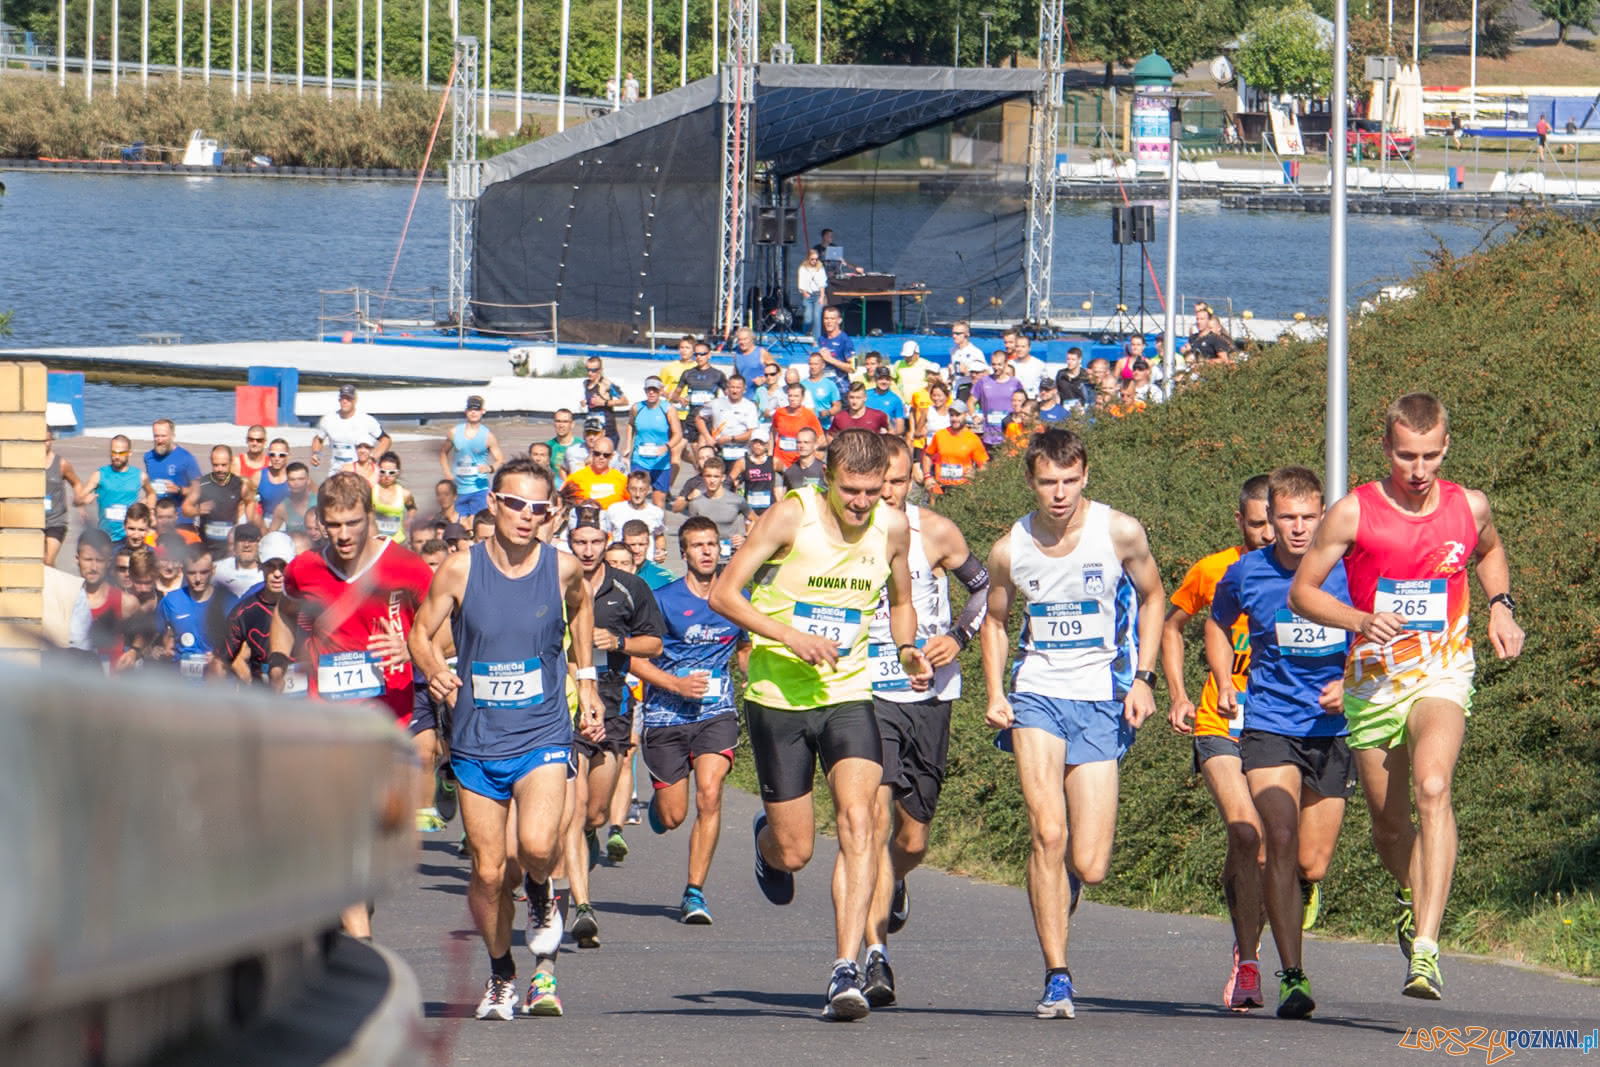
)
(1284, 52)
(1567, 14)
(1120, 33)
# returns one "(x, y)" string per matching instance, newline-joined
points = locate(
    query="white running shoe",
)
(499, 999)
(544, 918)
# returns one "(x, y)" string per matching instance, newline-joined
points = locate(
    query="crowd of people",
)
(533, 641)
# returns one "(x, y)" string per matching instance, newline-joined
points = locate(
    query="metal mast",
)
(464, 174)
(1042, 162)
(738, 116)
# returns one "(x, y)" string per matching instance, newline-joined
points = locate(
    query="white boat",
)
(202, 151)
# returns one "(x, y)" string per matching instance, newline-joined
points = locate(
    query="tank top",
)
(1415, 565)
(1079, 634)
(294, 518)
(930, 595)
(759, 479)
(513, 671)
(55, 493)
(652, 433)
(248, 470)
(270, 493)
(826, 587)
(117, 489)
(224, 514)
(105, 629)
(390, 518)
(936, 420)
(471, 453)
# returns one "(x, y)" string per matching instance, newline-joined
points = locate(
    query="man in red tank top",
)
(1406, 542)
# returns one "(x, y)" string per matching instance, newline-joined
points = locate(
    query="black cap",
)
(246, 531)
(455, 532)
(474, 403)
(1141, 364)
(347, 391)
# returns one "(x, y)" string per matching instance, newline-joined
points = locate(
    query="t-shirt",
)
(824, 394)
(558, 452)
(1053, 414)
(250, 625)
(236, 579)
(1291, 658)
(785, 425)
(597, 405)
(1070, 388)
(697, 641)
(1210, 345)
(1030, 372)
(839, 346)
(798, 474)
(1194, 595)
(624, 605)
(888, 402)
(604, 488)
(669, 374)
(994, 398)
(171, 474)
(728, 510)
(702, 385)
(654, 574)
(344, 434)
(956, 455)
(618, 515)
(733, 417)
(339, 614)
(870, 419)
(198, 626)
(911, 378)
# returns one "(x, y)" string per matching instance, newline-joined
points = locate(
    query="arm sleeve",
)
(975, 576)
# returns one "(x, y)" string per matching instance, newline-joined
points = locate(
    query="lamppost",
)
(1338, 336)
(1169, 336)
(986, 14)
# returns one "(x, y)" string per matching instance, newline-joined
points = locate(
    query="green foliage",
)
(5, 323)
(1181, 31)
(1530, 768)
(1283, 52)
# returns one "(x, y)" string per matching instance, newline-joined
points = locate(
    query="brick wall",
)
(22, 463)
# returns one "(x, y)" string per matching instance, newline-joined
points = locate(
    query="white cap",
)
(909, 349)
(277, 545)
(763, 431)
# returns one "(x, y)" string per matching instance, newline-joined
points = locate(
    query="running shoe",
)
(544, 917)
(499, 999)
(1405, 925)
(1075, 890)
(635, 811)
(461, 847)
(444, 792)
(1246, 991)
(899, 907)
(693, 908)
(845, 1001)
(593, 839)
(1233, 976)
(1294, 994)
(541, 998)
(616, 847)
(1422, 979)
(656, 825)
(777, 885)
(1057, 1000)
(585, 930)
(429, 821)
(1311, 903)
(879, 985)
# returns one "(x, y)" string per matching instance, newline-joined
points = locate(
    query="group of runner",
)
(1336, 642)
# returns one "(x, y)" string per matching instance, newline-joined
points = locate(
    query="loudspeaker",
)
(767, 226)
(1144, 223)
(1122, 226)
(791, 225)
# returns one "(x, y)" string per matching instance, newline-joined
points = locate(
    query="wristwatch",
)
(1506, 599)
(1147, 677)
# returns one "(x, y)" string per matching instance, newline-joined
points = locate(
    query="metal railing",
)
(362, 314)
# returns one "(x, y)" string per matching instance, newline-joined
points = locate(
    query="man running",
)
(469, 456)
(115, 487)
(1216, 740)
(954, 455)
(345, 428)
(1406, 542)
(170, 467)
(194, 617)
(1292, 745)
(250, 621)
(822, 560)
(290, 514)
(220, 501)
(1082, 685)
(656, 441)
(690, 725)
(758, 474)
(914, 726)
(352, 606)
(510, 735)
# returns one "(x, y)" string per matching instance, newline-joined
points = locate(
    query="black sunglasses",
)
(517, 503)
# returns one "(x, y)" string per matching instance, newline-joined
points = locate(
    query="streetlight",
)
(986, 14)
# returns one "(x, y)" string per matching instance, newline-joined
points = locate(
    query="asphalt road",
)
(748, 989)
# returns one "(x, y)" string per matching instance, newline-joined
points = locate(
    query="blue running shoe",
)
(1057, 1000)
(845, 1000)
(694, 909)
(777, 885)
(654, 816)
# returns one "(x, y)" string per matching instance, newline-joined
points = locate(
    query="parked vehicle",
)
(1366, 138)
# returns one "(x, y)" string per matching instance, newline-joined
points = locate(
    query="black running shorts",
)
(1326, 765)
(618, 739)
(670, 751)
(1208, 745)
(916, 740)
(786, 745)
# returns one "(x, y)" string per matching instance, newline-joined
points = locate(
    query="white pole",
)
(616, 66)
(426, 4)
(1391, 27)
(716, 31)
(233, 48)
(116, 43)
(649, 48)
(783, 22)
(144, 44)
(517, 110)
(177, 43)
(88, 56)
(819, 32)
(266, 60)
(488, 61)
(1169, 336)
(955, 59)
(683, 45)
(377, 74)
(561, 87)
(300, 47)
(205, 45)
(1416, 32)
(249, 45)
(61, 41)
(1472, 92)
(328, 78)
(361, 47)
(1338, 365)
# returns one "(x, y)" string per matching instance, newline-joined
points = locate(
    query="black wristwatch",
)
(1506, 599)
(1147, 677)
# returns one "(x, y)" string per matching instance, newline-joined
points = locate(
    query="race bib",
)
(787, 444)
(343, 454)
(1423, 602)
(725, 550)
(699, 397)
(650, 450)
(601, 491)
(887, 674)
(759, 498)
(465, 467)
(1060, 624)
(994, 418)
(217, 531)
(163, 487)
(1306, 640)
(840, 625)
(47, 503)
(1236, 723)
(349, 676)
(716, 685)
(192, 665)
(733, 452)
(115, 512)
(952, 472)
(518, 684)
(388, 525)
(294, 683)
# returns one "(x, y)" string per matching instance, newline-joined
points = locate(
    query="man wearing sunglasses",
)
(253, 460)
(250, 621)
(468, 456)
(510, 733)
(115, 487)
(272, 481)
(597, 482)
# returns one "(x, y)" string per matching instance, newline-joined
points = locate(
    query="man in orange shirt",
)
(1216, 744)
(597, 482)
(954, 454)
(790, 420)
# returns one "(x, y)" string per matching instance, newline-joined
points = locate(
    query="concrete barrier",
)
(176, 856)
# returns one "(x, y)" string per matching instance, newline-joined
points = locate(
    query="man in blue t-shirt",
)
(837, 348)
(194, 617)
(1292, 748)
(823, 390)
(689, 720)
(882, 397)
(170, 467)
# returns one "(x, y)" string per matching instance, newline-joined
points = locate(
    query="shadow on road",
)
(1168, 1009)
(647, 911)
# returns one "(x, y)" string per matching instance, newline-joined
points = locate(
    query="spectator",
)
(812, 280)
(1132, 349)
(967, 361)
(1020, 424)
(1127, 401)
(1051, 410)
(1144, 387)
(1073, 385)
(1208, 339)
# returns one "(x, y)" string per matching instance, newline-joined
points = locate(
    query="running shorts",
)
(1375, 725)
(1326, 765)
(916, 741)
(1094, 730)
(1209, 745)
(786, 745)
(670, 751)
(497, 778)
(618, 739)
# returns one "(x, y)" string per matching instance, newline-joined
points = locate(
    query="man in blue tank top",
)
(468, 456)
(690, 725)
(1084, 680)
(115, 487)
(656, 440)
(510, 730)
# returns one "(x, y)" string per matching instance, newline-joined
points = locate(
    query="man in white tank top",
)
(1083, 681)
(914, 726)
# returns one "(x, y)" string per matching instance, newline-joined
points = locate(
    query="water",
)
(98, 260)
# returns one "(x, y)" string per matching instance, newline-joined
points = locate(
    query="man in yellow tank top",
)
(818, 562)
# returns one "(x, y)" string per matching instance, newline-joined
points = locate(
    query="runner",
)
(253, 460)
(636, 535)
(138, 527)
(637, 507)
(787, 422)
(393, 506)
(444, 497)
(194, 618)
(602, 399)
(823, 389)
(697, 387)
(352, 605)
(805, 469)
(954, 455)
(169, 466)
(749, 359)
(510, 736)
(992, 395)
(562, 441)
(290, 514)
(1216, 741)
(1292, 747)
(219, 501)
(626, 623)
(728, 422)
(819, 562)
(249, 646)
(241, 572)
(272, 482)
(365, 463)
(657, 441)
(344, 429)
(729, 511)
(882, 397)
(97, 615)
(914, 726)
(1406, 542)
(758, 473)
(597, 481)
(690, 725)
(857, 415)
(672, 370)
(469, 456)
(115, 487)
(1082, 684)
(58, 475)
